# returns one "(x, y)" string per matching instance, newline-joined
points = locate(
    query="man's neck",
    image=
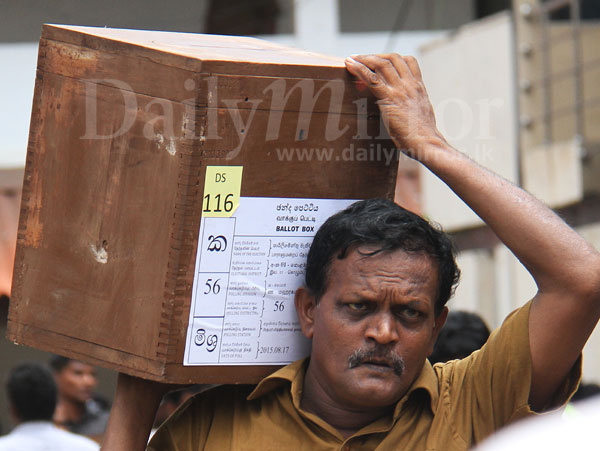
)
(69, 411)
(346, 420)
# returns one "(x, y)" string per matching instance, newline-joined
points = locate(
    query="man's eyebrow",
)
(355, 297)
(416, 304)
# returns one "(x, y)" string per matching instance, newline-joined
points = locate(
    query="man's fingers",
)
(363, 73)
(383, 66)
(413, 65)
(399, 63)
(391, 65)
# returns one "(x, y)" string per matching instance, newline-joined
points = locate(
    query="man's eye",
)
(357, 306)
(411, 313)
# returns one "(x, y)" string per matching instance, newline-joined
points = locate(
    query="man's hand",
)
(132, 414)
(402, 98)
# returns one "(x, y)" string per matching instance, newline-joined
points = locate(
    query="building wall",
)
(16, 93)
(20, 21)
(470, 80)
(403, 15)
(591, 353)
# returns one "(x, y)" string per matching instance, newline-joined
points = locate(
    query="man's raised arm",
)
(565, 267)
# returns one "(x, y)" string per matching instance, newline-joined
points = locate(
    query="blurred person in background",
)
(463, 333)
(78, 409)
(32, 396)
(586, 391)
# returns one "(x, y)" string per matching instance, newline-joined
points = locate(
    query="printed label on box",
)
(222, 185)
(248, 267)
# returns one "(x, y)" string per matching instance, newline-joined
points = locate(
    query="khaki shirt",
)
(449, 407)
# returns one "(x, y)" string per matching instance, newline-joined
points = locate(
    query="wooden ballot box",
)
(173, 184)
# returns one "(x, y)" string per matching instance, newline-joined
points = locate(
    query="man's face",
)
(76, 381)
(374, 326)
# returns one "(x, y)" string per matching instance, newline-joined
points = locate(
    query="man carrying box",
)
(377, 282)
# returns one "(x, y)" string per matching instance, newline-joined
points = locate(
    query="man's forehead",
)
(366, 258)
(364, 268)
(77, 365)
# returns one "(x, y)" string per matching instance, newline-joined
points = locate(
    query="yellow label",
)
(222, 187)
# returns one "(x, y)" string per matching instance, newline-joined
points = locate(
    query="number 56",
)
(213, 287)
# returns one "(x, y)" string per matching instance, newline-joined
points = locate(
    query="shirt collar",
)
(280, 377)
(30, 426)
(427, 382)
(294, 375)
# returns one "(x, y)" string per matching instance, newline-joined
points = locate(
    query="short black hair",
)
(58, 362)
(463, 333)
(382, 223)
(32, 392)
(586, 391)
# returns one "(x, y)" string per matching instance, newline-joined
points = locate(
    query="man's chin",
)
(376, 400)
(377, 387)
(83, 398)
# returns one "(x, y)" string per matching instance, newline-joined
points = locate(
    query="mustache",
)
(379, 355)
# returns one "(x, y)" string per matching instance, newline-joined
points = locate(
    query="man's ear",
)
(13, 413)
(306, 305)
(440, 320)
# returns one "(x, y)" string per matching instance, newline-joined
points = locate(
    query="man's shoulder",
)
(94, 420)
(507, 342)
(210, 413)
(75, 441)
(274, 384)
(225, 401)
(227, 416)
(42, 435)
(9, 442)
(220, 395)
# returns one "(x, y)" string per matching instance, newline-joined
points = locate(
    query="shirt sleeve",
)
(490, 388)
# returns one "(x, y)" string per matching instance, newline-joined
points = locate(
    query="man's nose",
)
(89, 380)
(382, 329)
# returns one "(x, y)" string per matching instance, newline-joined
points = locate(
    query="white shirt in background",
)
(44, 436)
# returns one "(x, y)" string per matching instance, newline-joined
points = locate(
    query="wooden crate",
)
(124, 125)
